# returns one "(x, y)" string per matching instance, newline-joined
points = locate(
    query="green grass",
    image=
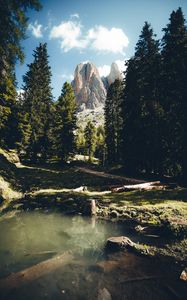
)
(140, 198)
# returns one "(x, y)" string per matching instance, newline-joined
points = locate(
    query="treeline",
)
(41, 128)
(33, 123)
(146, 115)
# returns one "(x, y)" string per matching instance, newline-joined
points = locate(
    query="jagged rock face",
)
(114, 74)
(90, 89)
(88, 86)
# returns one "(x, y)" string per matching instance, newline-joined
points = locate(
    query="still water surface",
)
(31, 237)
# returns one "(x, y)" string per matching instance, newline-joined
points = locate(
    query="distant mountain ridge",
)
(89, 88)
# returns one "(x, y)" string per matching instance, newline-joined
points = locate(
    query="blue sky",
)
(101, 31)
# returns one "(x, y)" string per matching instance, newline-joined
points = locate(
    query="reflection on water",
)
(31, 237)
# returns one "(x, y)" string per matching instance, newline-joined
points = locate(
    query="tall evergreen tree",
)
(174, 92)
(65, 123)
(100, 151)
(90, 140)
(141, 109)
(13, 23)
(80, 140)
(113, 121)
(38, 102)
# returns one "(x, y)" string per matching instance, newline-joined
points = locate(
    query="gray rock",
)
(183, 275)
(114, 74)
(104, 294)
(119, 243)
(88, 87)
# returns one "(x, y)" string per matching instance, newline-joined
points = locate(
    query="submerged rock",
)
(183, 275)
(119, 243)
(104, 294)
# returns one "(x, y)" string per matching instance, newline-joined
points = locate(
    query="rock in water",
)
(88, 86)
(183, 275)
(104, 294)
(119, 243)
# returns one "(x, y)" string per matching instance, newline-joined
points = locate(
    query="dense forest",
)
(146, 116)
(145, 126)
(93, 208)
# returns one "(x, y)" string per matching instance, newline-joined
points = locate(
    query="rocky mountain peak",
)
(114, 74)
(88, 86)
(90, 89)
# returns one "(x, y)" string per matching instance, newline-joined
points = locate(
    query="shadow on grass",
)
(66, 202)
(56, 177)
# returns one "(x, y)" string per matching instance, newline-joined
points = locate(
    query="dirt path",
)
(126, 180)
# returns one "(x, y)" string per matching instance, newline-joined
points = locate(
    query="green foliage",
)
(113, 121)
(9, 133)
(90, 140)
(37, 103)
(80, 141)
(100, 151)
(141, 135)
(65, 123)
(13, 23)
(174, 92)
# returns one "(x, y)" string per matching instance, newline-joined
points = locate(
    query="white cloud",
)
(76, 15)
(70, 35)
(68, 77)
(99, 38)
(110, 40)
(36, 29)
(104, 70)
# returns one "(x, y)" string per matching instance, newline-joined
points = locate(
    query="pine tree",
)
(80, 140)
(174, 92)
(90, 140)
(65, 123)
(38, 102)
(113, 121)
(100, 150)
(141, 134)
(13, 23)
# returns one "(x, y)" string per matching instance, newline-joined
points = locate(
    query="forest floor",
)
(159, 213)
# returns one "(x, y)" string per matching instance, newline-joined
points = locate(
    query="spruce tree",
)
(38, 102)
(65, 123)
(174, 92)
(100, 151)
(13, 24)
(80, 140)
(90, 140)
(141, 134)
(113, 121)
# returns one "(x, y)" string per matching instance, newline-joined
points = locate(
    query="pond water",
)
(29, 238)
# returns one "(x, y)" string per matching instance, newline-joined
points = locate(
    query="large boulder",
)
(119, 243)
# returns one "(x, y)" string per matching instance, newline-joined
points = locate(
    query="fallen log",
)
(15, 280)
(129, 280)
(141, 187)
